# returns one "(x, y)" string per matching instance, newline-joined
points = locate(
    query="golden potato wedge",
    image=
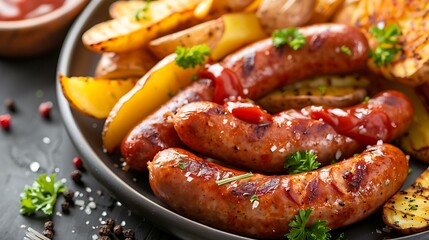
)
(163, 81)
(335, 91)
(94, 97)
(128, 33)
(132, 64)
(208, 32)
(410, 66)
(324, 10)
(278, 14)
(302, 97)
(223, 36)
(120, 9)
(408, 211)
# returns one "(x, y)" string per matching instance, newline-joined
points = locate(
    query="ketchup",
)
(365, 125)
(12, 10)
(227, 84)
(249, 112)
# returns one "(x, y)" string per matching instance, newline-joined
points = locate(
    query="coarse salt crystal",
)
(273, 148)
(92, 205)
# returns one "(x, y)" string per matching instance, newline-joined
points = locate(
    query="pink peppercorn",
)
(77, 162)
(45, 109)
(5, 121)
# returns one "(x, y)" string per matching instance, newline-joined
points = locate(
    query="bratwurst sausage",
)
(154, 133)
(225, 132)
(259, 68)
(341, 194)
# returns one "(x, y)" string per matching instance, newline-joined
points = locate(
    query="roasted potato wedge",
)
(120, 9)
(411, 65)
(133, 64)
(324, 10)
(208, 32)
(408, 211)
(278, 14)
(302, 97)
(128, 33)
(335, 91)
(157, 86)
(94, 97)
(223, 36)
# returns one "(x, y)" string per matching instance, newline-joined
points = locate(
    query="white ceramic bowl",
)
(33, 36)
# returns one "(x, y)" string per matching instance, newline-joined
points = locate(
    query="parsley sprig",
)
(289, 36)
(302, 161)
(190, 57)
(299, 231)
(388, 46)
(42, 195)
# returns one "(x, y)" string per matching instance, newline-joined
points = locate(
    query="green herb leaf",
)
(346, 50)
(289, 36)
(342, 236)
(190, 57)
(302, 161)
(388, 46)
(41, 196)
(254, 198)
(182, 165)
(232, 179)
(142, 12)
(299, 231)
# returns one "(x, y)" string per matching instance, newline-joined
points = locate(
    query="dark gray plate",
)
(133, 189)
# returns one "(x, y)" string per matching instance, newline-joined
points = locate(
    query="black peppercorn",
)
(111, 223)
(49, 225)
(68, 195)
(128, 233)
(48, 233)
(103, 230)
(117, 230)
(65, 206)
(9, 104)
(76, 176)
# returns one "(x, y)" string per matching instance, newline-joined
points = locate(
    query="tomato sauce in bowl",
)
(14, 10)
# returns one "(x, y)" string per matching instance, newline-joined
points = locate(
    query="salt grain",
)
(46, 140)
(79, 202)
(88, 190)
(104, 213)
(94, 237)
(92, 205)
(123, 223)
(34, 166)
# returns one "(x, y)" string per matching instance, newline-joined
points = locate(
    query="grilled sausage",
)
(154, 133)
(261, 68)
(214, 130)
(341, 194)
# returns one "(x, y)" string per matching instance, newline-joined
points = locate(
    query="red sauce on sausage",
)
(12, 10)
(365, 124)
(227, 84)
(249, 112)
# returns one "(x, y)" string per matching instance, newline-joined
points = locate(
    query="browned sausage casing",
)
(210, 129)
(154, 133)
(261, 68)
(341, 194)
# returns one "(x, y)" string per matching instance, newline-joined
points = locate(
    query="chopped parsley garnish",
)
(388, 46)
(254, 198)
(232, 179)
(190, 57)
(346, 50)
(182, 165)
(142, 12)
(317, 231)
(302, 161)
(289, 36)
(413, 206)
(323, 89)
(42, 195)
(366, 99)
